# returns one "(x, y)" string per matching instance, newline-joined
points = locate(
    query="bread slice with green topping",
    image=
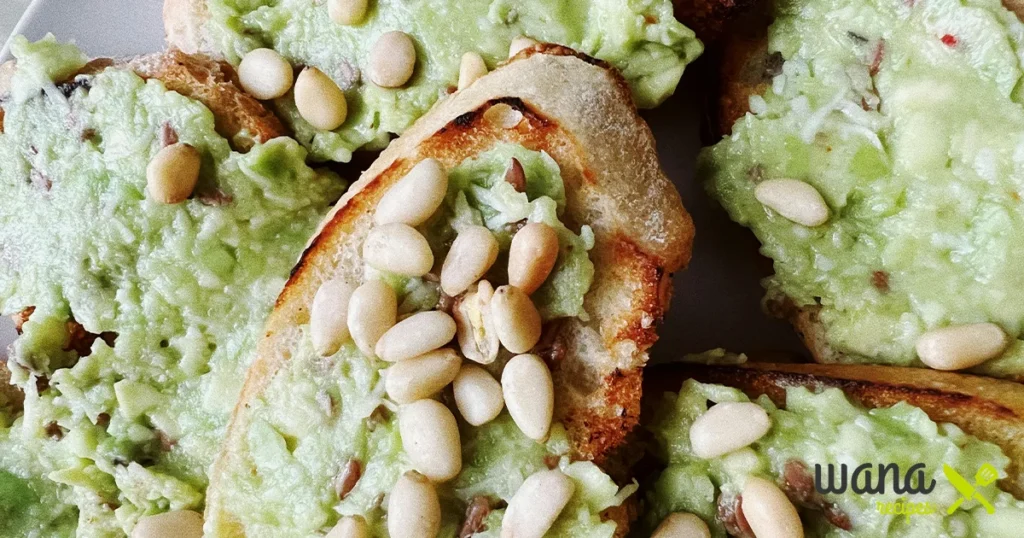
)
(878, 416)
(547, 105)
(424, 48)
(239, 118)
(137, 314)
(857, 289)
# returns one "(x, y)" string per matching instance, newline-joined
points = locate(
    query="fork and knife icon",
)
(986, 475)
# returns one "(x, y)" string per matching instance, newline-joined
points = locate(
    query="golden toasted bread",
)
(580, 112)
(990, 409)
(239, 118)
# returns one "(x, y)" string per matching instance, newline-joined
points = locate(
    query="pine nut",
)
(682, 525)
(320, 101)
(529, 395)
(392, 60)
(422, 377)
(172, 174)
(372, 310)
(415, 335)
(503, 116)
(768, 510)
(519, 44)
(176, 524)
(398, 248)
(727, 427)
(265, 74)
(796, 200)
(475, 326)
(414, 510)
(414, 198)
(537, 504)
(347, 12)
(961, 346)
(516, 320)
(328, 316)
(471, 68)
(472, 254)
(477, 395)
(430, 437)
(532, 256)
(350, 527)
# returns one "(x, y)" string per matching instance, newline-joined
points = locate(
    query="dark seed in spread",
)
(21, 317)
(730, 513)
(516, 176)
(168, 135)
(166, 443)
(55, 431)
(799, 487)
(476, 512)
(880, 279)
(347, 478)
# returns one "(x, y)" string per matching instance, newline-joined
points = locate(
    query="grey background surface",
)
(716, 301)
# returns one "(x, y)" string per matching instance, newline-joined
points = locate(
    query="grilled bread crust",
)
(239, 117)
(990, 409)
(580, 112)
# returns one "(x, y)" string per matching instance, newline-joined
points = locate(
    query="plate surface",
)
(717, 301)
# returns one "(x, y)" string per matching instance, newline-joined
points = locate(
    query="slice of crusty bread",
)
(746, 68)
(990, 409)
(185, 20)
(239, 117)
(580, 112)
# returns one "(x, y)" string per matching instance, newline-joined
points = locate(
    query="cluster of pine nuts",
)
(265, 74)
(423, 363)
(725, 428)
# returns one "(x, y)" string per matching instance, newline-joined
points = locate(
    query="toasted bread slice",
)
(746, 69)
(578, 111)
(990, 409)
(239, 117)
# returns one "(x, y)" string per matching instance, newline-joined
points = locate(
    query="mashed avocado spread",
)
(317, 414)
(821, 429)
(908, 118)
(639, 37)
(141, 317)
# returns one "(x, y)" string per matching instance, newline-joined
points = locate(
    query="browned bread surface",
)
(580, 112)
(238, 117)
(990, 409)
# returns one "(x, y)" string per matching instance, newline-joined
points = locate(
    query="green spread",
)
(317, 414)
(640, 37)
(821, 429)
(174, 295)
(907, 117)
